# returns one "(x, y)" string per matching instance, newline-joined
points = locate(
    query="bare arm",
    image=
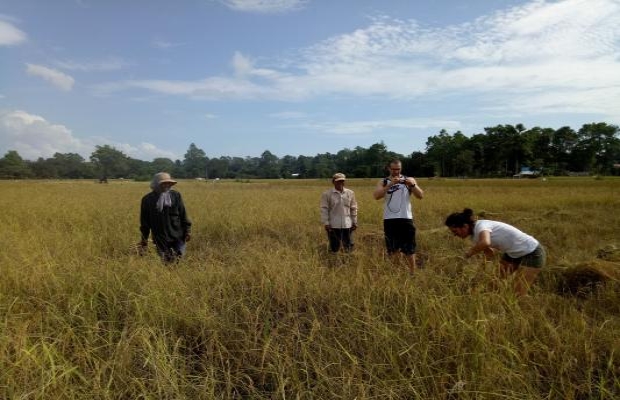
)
(482, 244)
(414, 188)
(380, 190)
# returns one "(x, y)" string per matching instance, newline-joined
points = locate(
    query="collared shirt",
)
(338, 209)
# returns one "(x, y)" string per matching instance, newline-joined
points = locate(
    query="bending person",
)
(523, 256)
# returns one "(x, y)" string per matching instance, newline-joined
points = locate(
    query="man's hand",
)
(353, 227)
(328, 228)
(188, 236)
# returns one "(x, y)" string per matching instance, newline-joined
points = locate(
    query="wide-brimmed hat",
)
(339, 177)
(161, 177)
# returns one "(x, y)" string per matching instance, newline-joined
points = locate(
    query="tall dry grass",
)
(258, 309)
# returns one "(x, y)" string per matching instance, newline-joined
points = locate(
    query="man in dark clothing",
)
(162, 212)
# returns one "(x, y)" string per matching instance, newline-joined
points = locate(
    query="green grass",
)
(255, 311)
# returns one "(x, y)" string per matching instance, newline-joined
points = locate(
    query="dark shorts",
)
(535, 259)
(399, 235)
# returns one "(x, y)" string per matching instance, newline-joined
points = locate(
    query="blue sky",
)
(296, 77)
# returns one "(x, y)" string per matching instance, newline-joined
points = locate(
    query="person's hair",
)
(395, 161)
(459, 219)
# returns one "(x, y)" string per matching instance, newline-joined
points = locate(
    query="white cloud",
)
(208, 89)
(244, 68)
(10, 35)
(164, 44)
(32, 136)
(288, 115)
(264, 6)
(110, 64)
(373, 126)
(56, 78)
(241, 64)
(143, 151)
(540, 48)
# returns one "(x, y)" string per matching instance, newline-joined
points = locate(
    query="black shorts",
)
(399, 235)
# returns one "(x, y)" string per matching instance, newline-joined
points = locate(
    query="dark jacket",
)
(170, 225)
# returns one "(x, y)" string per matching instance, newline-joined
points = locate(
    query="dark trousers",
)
(338, 237)
(170, 251)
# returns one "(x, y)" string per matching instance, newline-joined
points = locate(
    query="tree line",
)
(499, 151)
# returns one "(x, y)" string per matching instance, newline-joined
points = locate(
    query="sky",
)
(297, 77)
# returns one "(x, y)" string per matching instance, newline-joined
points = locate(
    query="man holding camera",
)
(398, 227)
(339, 214)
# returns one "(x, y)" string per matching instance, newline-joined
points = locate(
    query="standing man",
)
(339, 214)
(398, 227)
(162, 212)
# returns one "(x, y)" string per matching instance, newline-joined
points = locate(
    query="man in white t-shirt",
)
(398, 227)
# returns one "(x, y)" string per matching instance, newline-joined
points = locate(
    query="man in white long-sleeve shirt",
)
(339, 214)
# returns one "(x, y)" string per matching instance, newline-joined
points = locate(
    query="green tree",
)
(443, 151)
(323, 166)
(110, 162)
(236, 165)
(376, 159)
(479, 145)
(417, 165)
(304, 166)
(268, 166)
(599, 146)
(540, 141)
(71, 165)
(358, 165)
(162, 164)
(12, 165)
(44, 169)
(219, 167)
(288, 166)
(195, 162)
(511, 147)
(563, 143)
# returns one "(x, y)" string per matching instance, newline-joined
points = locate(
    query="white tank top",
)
(396, 203)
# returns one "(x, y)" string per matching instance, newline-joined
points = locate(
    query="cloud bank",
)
(32, 136)
(541, 51)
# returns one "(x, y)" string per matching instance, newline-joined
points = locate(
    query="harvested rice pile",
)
(609, 253)
(584, 279)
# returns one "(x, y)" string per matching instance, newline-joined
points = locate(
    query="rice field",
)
(258, 309)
